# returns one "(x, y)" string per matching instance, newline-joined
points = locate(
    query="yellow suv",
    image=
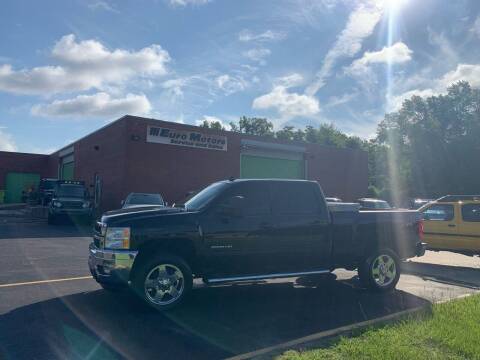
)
(453, 223)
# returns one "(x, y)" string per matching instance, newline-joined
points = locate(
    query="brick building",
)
(135, 154)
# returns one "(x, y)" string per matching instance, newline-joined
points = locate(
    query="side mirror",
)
(232, 206)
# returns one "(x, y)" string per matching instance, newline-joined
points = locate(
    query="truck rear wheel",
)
(381, 271)
(163, 281)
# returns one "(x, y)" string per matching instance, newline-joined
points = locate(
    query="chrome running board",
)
(266, 276)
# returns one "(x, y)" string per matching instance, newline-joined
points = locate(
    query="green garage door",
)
(18, 182)
(260, 167)
(67, 171)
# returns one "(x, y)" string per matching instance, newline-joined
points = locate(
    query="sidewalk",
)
(12, 213)
(16, 206)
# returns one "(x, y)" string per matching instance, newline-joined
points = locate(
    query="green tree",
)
(434, 143)
(253, 126)
(290, 133)
(217, 125)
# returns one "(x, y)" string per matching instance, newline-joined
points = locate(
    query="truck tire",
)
(380, 271)
(162, 281)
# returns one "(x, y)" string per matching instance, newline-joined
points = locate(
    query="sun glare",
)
(392, 5)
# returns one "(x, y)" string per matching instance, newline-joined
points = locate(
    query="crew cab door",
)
(440, 226)
(301, 232)
(236, 231)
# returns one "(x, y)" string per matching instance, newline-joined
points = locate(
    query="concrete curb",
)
(323, 335)
(417, 269)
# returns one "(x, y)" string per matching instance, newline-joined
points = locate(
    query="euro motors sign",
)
(193, 139)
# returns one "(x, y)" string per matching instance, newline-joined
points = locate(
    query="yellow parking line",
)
(45, 281)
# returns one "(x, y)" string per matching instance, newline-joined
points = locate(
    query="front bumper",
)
(420, 249)
(66, 211)
(111, 266)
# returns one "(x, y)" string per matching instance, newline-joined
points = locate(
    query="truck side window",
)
(439, 212)
(471, 212)
(256, 201)
(294, 198)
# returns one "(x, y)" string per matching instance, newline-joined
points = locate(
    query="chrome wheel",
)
(164, 284)
(384, 270)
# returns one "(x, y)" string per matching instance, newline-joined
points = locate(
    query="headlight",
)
(103, 229)
(117, 238)
(57, 204)
(86, 204)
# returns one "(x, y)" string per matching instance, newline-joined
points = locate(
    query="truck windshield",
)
(67, 190)
(145, 199)
(201, 199)
(48, 185)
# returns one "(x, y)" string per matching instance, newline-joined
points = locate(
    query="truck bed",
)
(396, 229)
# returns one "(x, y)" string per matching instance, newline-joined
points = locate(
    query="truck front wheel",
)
(163, 281)
(381, 271)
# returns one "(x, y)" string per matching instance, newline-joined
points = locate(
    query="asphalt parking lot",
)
(50, 308)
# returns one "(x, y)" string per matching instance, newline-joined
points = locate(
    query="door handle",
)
(451, 225)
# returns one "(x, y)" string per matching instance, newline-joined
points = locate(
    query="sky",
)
(69, 67)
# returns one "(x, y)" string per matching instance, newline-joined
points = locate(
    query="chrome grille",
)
(72, 204)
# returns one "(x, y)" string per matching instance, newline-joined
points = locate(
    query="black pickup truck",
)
(244, 230)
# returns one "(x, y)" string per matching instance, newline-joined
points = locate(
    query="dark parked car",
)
(244, 230)
(142, 200)
(45, 190)
(373, 204)
(69, 200)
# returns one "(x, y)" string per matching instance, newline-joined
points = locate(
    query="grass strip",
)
(452, 331)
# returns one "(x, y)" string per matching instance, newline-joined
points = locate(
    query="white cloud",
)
(360, 25)
(398, 53)
(6, 141)
(269, 35)
(97, 105)
(210, 119)
(188, 2)
(395, 103)
(463, 72)
(339, 100)
(101, 5)
(476, 27)
(448, 53)
(290, 80)
(258, 54)
(230, 84)
(288, 104)
(361, 69)
(84, 65)
(175, 86)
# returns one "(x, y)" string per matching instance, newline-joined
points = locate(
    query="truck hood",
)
(70, 199)
(142, 206)
(136, 212)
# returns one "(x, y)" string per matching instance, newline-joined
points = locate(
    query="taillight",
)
(420, 229)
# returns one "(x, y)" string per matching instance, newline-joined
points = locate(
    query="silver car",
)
(142, 200)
